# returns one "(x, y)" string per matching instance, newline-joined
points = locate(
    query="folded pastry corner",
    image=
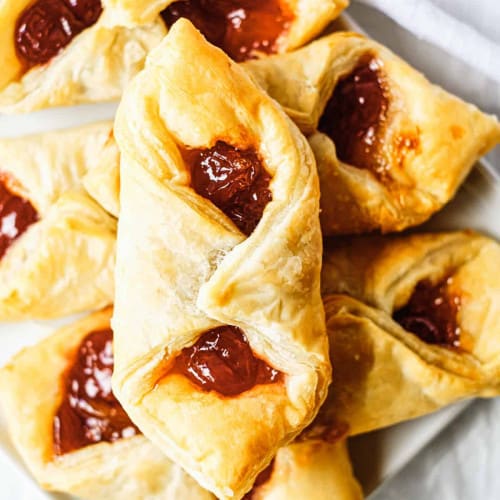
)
(310, 468)
(57, 246)
(242, 28)
(57, 53)
(221, 349)
(69, 428)
(391, 148)
(413, 325)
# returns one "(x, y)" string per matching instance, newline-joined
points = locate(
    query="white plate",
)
(377, 455)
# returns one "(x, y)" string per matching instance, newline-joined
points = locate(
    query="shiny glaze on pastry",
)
(233, 179)
(222, 361)
(16, 215)
(47, 26)
(241, 28)
(431, 313)
(89, 412)
(355, 115)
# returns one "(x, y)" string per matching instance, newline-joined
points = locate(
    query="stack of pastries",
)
(230, 231)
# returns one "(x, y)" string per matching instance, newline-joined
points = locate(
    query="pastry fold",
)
(31, 392)
(316, 469)
(63, 262)
(308, 17)
(95, 66)
(403, 146)
(187, 268)
(385, 374)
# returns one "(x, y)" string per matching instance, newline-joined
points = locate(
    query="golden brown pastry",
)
(69, 429)
(56, 52)
(391, 147)
(223, 357)
(242, 28)
(68, 451)
(57, 245)
(102, 181)
(414, 325)
(309, 469)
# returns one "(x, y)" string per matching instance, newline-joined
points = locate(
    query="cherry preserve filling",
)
(222, 361)
(355, 115)
(431, 313)
(16, 215)
(241, 28)
(89, 412)
(233, 179)
(47, 26)
(261, 479)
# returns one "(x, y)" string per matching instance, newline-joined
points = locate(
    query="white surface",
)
(394, 447)
(466, 30)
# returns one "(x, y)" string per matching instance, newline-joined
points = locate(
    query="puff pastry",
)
(32, 391)
(57, 244)
(312, 467)
(56, 52)
(102, 181)
(242, 28)
(315, 469)
(413, 324)
(391, 147)
(229, 268)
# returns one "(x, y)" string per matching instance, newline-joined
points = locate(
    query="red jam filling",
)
(16, 215)
(355, 115)
(47, 26)
(89, 412)
(431, 313)
(241, 28)
(222, 361)
(233, 179)
(261, 479)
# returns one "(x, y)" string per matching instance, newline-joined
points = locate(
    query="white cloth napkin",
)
(466, 29)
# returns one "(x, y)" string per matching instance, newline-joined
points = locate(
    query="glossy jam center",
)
(233, 179)
(431, 313)
(16, 215)
(222, 361)
(241, 28)
(47, 26)
(89, 412)
(355, 115)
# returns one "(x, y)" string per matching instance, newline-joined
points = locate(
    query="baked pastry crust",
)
(64, 262)
(94, 67)
(383, 373)
(127, 468)
(310, 16)
(102, 181)
(184, 282)
(311, 469)
(431, 139)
